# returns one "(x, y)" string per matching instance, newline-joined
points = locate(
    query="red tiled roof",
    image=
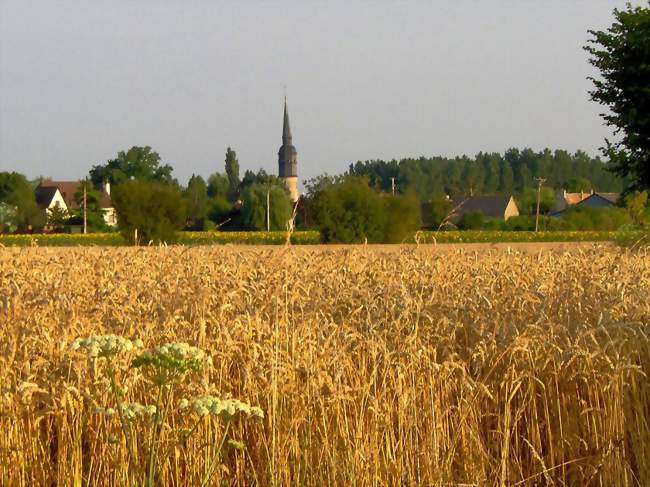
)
(575, 198)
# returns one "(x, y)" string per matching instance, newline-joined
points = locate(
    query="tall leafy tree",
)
(232, 171)
(506, 177)
(576, 185)
(139, 163)
(622, 56)
(254, 209)
(17, 192)
(218, 185)
(196, 200)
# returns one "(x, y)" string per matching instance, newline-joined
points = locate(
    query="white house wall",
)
(57, 200)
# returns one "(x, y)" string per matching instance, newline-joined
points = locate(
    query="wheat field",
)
(409, 366)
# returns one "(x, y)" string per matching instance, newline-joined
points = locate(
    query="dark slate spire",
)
(287, 155)
(286, 128)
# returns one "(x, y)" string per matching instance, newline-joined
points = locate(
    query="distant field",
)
(373, 366)
(304, 237)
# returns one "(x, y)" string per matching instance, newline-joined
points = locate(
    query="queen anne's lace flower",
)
(104, 345)
(225, 408)
(176, 356)
(130, 411)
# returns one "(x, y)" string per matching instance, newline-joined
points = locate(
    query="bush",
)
(589, 218)
(402, 218)
(208, 226)
(441, 208)
(634, 236)
(471, 220)
(154, 209)
(520, 223)
(220, 210)
(7, 218)
(637, 207)
(351, 212)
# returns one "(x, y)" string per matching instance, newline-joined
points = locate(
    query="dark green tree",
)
(17, 192)
(218, 185)
(154, 209)
(527, 200)
(622, 56)
(220, 210)
(196, 201)
(57, 217)
(254, 207)
(139, 163)
(232, 171)
(350, 212)
(575, 185)
(506, 177)
(636, 204)
(471, 220)
(402, 217)
(441, 209)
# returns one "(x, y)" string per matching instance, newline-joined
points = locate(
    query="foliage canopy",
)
(140, 163)
(154, 209)
(350, 211)
(622, 56)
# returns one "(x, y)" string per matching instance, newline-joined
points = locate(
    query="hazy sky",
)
(81, 80)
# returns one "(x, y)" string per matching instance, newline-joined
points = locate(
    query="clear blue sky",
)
(81, 80)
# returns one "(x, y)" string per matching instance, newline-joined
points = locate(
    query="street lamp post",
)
(540, 181)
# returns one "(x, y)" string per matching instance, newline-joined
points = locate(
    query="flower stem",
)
(217, 455)
(153, 438)
(126, 431)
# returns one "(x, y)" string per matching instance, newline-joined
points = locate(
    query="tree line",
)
(512, 172)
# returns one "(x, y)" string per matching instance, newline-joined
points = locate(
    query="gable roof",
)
(45, 195)
(492, 206)
(68, 190)
(575, 198)
(611, 198)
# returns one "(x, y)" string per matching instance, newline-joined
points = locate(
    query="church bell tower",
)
(288, 158)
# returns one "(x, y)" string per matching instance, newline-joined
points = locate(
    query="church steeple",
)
(288, 157)
(286, 128)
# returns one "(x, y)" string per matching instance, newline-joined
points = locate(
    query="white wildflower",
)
(102, 345)
(224, 408)
(178, 356)
(130, 411)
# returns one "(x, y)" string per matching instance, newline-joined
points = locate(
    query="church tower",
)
(288, 158)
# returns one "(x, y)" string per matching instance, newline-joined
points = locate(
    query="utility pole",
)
(85, 213)
(540, 181)
(392, 185)
(268, 209)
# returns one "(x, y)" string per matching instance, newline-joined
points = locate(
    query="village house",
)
(501, 207)
(52, 194)
(564, 200)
